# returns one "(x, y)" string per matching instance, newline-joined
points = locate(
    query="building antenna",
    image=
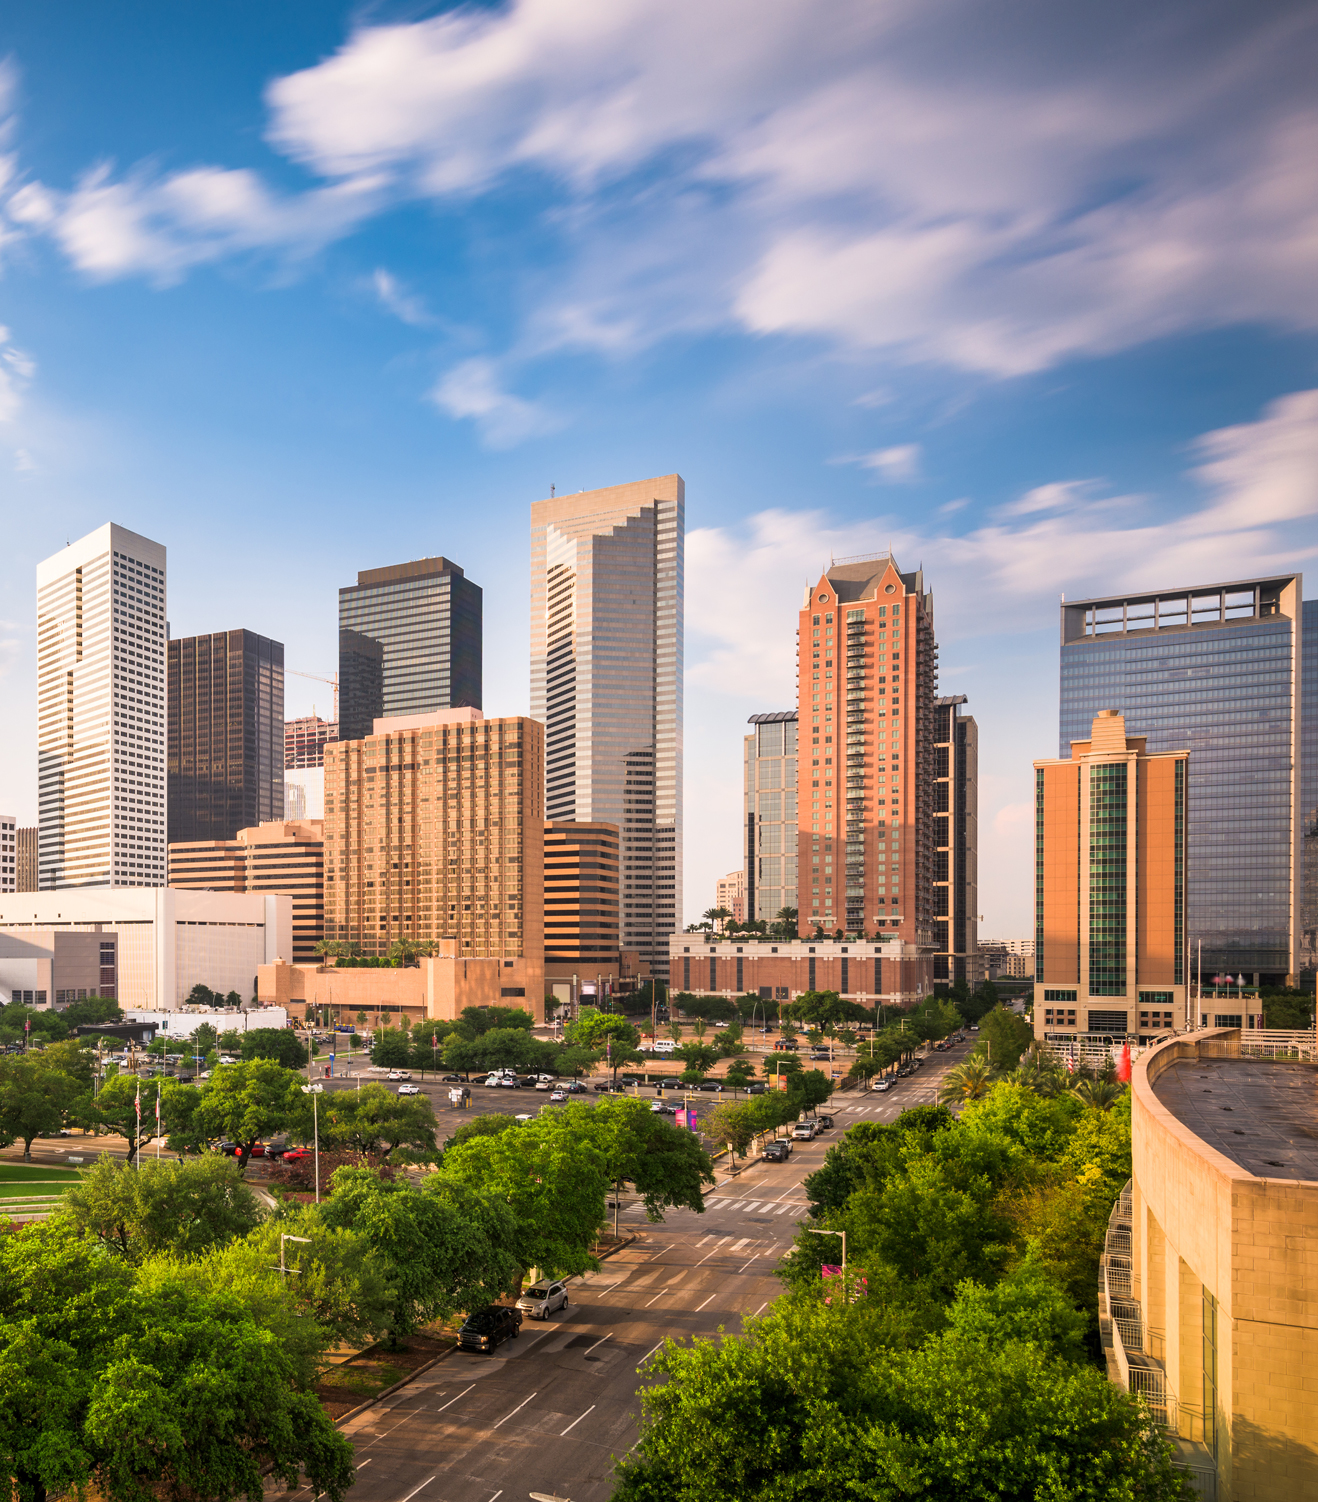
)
(552, 489)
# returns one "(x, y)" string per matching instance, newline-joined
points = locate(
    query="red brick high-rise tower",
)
(867, 680)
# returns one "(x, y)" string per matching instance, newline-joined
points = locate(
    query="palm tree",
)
(1100, 1094)
(717, 916)
(968, 1081)
(1039, 1072)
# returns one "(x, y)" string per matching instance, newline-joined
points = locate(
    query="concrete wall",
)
(1204, 1224)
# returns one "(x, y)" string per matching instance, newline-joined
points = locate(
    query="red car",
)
(297, 1155)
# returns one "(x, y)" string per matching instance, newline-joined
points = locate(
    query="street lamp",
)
(313, 1091)
(284, 1236)
(842, 1234)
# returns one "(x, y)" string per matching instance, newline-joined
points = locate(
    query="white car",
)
(543, 1084)
(542, 1300)
(409, 1089)
(883, 1084)
(558, 1095)
(398, 1074)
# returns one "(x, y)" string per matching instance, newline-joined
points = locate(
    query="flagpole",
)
(159, 1084)
(137, 1145)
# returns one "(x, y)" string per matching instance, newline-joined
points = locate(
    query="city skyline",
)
(1078, 360)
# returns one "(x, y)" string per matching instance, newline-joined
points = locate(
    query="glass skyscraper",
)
(1309, 798)
(606, 682)
(769, 804)
(409, 643)
(1214, 670)
(956, 842)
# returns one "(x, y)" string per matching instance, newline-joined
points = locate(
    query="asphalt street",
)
(552, 1411)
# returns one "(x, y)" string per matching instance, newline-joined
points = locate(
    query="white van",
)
(662, 1045)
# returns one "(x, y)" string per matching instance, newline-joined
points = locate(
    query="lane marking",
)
(497, 1495)
(762, 1308)
(702, 1242)
(504, 1419)
(699, 1307)
(599, 1342)
(737, 1245)
(783, 1211)
(414, 1491)
(452, 1401)
(659, 1295)
(648, 1354)
(571, 1426)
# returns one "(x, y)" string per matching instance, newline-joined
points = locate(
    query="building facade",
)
(1308, 958)
(28, 868)
(434, 829)
(166, 942)
(51, 967)
(1206, 1301)
(956, 843)
(867, 675)
(8, 853)
(279, 856)
(304, 793)
(1110, 951)
(101, 712)
(305, 740)
(583, 930)
(606, 683)
(730, 895)
(409, 644)
(888, 973)
(769, 813)
(1215, 669)
(226, 734)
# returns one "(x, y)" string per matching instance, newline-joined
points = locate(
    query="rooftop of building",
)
(781, 716)
(418, 568)
(1260, 1113)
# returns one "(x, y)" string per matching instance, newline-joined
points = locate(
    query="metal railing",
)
(1121, 1321)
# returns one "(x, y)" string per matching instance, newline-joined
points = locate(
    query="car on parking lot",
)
(398, 1074)
(296, 1155)
(544, 1085)
(786, 1045)
(543, 1300)
(409, 1089)
(575, 1087)
(662, 1108)
(824, 1123)
(601, 1087)
(882, 1085)
(820, 1053)
(557, 1095)
(450, 1079)
(804, 1131)
(777, 1152)
(756, 1087)
(484, 1329)
(232, 1149)
(714, 1087)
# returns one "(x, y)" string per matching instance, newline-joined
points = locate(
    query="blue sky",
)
(1026, 292)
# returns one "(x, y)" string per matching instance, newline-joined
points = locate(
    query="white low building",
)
(167, 941)
(182, 1024)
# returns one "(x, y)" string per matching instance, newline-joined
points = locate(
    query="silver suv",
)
(542, 1300)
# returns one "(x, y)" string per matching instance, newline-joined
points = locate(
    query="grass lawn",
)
(16, 1174)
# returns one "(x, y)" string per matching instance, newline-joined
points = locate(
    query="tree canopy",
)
(281, 1044)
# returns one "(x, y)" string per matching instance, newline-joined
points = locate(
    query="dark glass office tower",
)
(409, 643)
(1308, 798)
(225, 734)
(1214, 670)
(956, 842)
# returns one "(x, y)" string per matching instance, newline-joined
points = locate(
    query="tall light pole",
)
(313, 1091)
(283, 1269)
(842, 1234)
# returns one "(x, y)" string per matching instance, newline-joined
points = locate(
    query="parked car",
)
(824, 1123)
(786, 1045)
(883, 1084)
(662, 1108)
(543, 1300)
(756, 1087)
(542, 1085)
(296, 1154)
(602, 1087)
(575, 1087)
(777, 1152)
(710, 1085)
(523, 1116)
(804, 1131)
(398, 1074)
(820, 1053)
(484, 1329)
(557, 1095)
(409, 1089)
(232, 1149)
(450, 1079)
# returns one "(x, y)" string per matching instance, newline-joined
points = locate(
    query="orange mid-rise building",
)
(434, 829)
(1110, 954)
(867, 671)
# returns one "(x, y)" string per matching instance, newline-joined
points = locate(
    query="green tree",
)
(72, 1056)
(1101, 1094)
(666, 1164)
(281, 1044)
(969, 1080)
(138, 1383)
(22, 1024)
(245, 1103)
(489, 1125)
(699, 1058)
(202, 996)
(740, 1073)
(1003, 1037)
(445, 1247)
(34, 1098)
(116, 1108)
(1027, 1304)
(91, 1012)
(478, 1020)
(183, 1208)
(204, 1039)
(815, 1087)
(375, 1120)
(733, 1125)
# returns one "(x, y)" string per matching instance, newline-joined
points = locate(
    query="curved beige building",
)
(1214, 1312)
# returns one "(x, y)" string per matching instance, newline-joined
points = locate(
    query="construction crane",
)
(316, 678)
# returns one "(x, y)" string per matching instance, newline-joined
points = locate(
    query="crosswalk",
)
(766, 1207)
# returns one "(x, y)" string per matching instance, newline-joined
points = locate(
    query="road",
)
(552, 1411)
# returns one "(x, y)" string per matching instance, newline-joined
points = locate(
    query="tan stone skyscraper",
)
(606, 683)
(434, 828)
(868, 667)
(1110, 946)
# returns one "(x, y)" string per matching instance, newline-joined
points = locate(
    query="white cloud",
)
(473, 390)
(16, 370)
(404, 305)
(1264, 471)
(901, 462)
(857, 170)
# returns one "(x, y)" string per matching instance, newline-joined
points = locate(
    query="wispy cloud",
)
(901, 462)
(404, 305)
(473, 390)
(825, 168)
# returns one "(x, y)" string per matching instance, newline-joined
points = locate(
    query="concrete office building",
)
(1206, 1302)
(434, 829)
(606, 683)
(8, 853)
(769, 813)
(1110, 888)
(956, 843)
(1216, 670)
(28, 871)
(865, 840)
(305, 740)
(582, 911)
(409, 644)
(278, 856)
(890, 971)
(1308, 957)
(101, 712)
(165, 941)
(226, 734)
(730, 895)
(43, 967)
